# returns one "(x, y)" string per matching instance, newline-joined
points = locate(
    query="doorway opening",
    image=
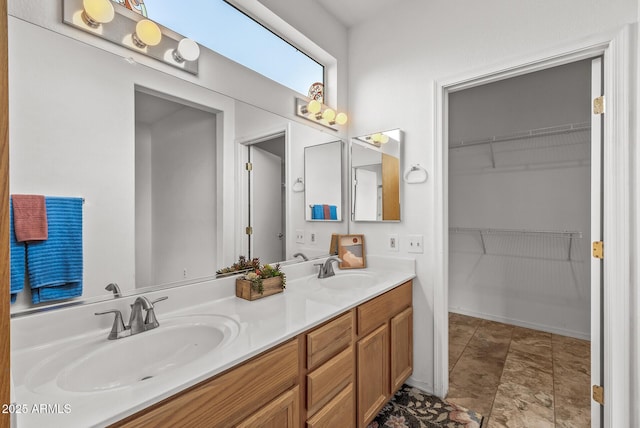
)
(267, 198)
(520, 190)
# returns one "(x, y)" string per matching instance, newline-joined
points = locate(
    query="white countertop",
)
(263, 324)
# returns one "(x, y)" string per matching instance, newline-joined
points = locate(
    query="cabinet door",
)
(339, 412)
(373, 374)
(283, 412)
(401, 348)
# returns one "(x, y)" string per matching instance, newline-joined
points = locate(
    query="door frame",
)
(615, 48)
(242, 181)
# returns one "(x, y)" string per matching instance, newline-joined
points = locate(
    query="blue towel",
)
(18, 253)
(317, 212)
(55, 266)
(334, 212)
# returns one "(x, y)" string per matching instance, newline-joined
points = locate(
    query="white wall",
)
(184, 221)
(392, 86)
(143, 201)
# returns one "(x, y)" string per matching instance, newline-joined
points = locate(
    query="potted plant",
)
(261, 281)
(241, 266)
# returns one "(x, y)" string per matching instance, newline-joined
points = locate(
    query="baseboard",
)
(426, 387)
(525, 324)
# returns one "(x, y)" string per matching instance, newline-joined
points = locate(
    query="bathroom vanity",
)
(326, 352)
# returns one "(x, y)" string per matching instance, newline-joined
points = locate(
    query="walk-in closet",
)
(519, 205)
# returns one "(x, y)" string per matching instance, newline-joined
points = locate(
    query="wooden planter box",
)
(271, 286)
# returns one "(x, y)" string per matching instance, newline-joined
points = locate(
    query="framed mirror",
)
(375, 176)
(323, 182)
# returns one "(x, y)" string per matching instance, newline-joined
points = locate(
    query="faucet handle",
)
(150, 321)
(159, 299)
(118, 324)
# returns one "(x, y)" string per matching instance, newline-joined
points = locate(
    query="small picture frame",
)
(351, 252)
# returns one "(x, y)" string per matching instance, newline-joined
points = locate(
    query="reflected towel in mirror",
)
(55, 266)
(29, 217)
(18, 253)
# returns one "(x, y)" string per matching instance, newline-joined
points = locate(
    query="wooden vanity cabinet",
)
(338, 374)
(266, 383)
(384, 349)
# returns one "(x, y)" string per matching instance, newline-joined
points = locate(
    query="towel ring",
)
(415, 174)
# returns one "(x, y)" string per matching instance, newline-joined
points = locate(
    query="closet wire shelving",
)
(551, 145)
(484, 233)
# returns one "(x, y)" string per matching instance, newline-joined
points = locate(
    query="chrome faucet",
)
(305, 258)
(326, 268)
(136, 322)
(113, 287)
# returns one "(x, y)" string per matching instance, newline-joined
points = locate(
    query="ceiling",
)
(150, 109)
(353, 12)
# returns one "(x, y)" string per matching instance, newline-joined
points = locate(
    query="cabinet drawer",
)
(329, 379)
(283, 412)
(339, 412)
(326, 341)
(378, 311)
(226, 399)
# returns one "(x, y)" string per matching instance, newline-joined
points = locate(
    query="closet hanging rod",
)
(540, 132)
(564, 233)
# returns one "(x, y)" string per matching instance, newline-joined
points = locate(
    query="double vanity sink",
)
(104, 380)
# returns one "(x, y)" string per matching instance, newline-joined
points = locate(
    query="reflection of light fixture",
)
(298, 186)
(147, 34)
(341, 118)
(187, 50)
(378, 138)
(315, 111)
(97, 12)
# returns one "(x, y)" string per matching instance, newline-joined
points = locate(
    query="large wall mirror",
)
(375, 176)
(158, 158)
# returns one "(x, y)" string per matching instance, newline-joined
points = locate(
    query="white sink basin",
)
(108, 364)
(345, 281)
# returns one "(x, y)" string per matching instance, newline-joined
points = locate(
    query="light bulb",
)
(97, 12)
(147, 34)
(314, 106)
(384, 138)
(341, 118)
(376, 137)
(329, 115)
(187, 50)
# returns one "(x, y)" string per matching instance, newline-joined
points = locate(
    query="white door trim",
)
(616, 49)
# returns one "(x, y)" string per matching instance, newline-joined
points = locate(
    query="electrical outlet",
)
(415, 243)
(299, 236)
(311, 237)
(392, 244)
(184, 272)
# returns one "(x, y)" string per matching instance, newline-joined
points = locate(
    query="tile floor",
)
(517, 377)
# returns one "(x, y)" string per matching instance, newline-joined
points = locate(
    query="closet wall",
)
(519, 194)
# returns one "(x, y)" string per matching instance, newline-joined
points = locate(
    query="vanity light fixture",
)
(147, 34)
(315, 111)
(97, 12)
(187, 50)
(298, 186)
(133, 31)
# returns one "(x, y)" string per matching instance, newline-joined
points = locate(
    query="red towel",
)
(327, 212)
(30, 217)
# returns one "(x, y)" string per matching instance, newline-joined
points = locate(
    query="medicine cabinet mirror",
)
(323, 182)
(375, 176)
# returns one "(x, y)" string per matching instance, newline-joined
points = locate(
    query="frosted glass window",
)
(220, 27)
